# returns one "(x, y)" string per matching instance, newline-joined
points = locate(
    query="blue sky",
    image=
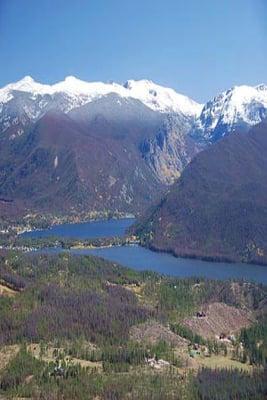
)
(198, 47)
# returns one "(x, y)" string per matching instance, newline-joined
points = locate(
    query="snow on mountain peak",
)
(240, 103)
(92, 90)
(27, 79)
(26, 84)
(72, 78)
(239, 106)
(131, 83)
(161, 98)
(154, 96)
(261, 88)
(238, 100)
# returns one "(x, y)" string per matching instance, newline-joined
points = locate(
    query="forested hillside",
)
(218, 208)
(81, 327)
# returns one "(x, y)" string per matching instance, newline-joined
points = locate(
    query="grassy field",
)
(219, 361)
(7, 353)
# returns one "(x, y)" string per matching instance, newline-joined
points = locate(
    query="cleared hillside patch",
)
(217, 318)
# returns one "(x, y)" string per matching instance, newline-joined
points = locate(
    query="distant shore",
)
(193, 256)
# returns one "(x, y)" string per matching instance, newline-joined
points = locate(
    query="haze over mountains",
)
(90, 145)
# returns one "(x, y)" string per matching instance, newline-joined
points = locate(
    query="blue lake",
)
(140, 258)
(85, 230)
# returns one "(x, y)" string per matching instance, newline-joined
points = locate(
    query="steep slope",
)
(40, 167)
(171, 149)
(161, 139)
(91, 157)
(218, 208)
(59, 165)
(237, 109)
(119, 118)
(99, 137)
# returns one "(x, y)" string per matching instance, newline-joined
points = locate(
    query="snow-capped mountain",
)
(162, 99)
(236, 109)
(72, 93)
(119, 146)
(25, 101)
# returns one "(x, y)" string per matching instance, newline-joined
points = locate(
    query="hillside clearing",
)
(219, 318)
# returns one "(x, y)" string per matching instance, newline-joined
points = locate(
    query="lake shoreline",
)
(211, 259)
(127, 241)
(141, 258)
(73, 220)
(95, 238)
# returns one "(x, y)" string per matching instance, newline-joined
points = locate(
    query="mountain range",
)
(79, 145)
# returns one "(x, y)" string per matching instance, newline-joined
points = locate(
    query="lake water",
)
(140, 258)
(85, 230)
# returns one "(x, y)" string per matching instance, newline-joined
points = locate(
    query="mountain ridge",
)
(217, 209)
(154, 96)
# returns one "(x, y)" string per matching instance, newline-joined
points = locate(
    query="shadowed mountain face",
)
(60, 165)
(93, 158)
(218, 208)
